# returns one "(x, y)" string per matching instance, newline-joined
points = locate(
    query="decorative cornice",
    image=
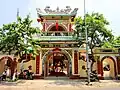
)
(57, 11)
(65, 11)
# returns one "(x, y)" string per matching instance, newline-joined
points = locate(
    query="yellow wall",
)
(2, 66)
(31, 62)
(94, 66)
(82, 72)
(18, 67)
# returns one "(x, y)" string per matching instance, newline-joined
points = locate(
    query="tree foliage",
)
(97, 30)
(114, 43)
(16, 37)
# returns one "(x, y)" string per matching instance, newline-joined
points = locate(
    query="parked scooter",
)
(94, 76)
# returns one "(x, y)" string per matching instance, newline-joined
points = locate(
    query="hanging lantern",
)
(70, 28)
(57, 25)
(44, 27)
(38, 20)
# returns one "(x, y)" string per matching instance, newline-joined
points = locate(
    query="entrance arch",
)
(5, 62)
(61, 27)
(108, 67)
(51, 52)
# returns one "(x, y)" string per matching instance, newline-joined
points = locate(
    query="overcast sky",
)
(110, 9)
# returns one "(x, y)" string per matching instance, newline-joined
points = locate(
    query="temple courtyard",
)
(59, 84)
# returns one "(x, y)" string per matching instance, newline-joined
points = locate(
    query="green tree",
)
(17, 37)
(114, 43)
(97, 31)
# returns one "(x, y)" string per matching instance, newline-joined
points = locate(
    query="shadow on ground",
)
(60, 82)
(6, 83)
(117, 81)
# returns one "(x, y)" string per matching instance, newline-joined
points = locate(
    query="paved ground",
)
(59, 84)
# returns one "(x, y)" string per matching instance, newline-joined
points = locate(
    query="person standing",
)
(4, 75)
(15, 75)
(8, 72)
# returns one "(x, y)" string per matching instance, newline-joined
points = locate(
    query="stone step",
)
(56, 78)
(57, 74)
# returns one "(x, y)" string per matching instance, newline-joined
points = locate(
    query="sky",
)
(109, 8)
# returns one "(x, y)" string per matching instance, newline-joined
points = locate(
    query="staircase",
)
(56, 78)
(57, 74)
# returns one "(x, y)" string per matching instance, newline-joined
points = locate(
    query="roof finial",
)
(17, 12)
(57, 9)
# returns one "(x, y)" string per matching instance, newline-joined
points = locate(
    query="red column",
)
(37, 64)
(118, 64)
(99, 66)
(75, 62)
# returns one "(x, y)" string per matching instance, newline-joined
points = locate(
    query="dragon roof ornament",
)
(67, 10)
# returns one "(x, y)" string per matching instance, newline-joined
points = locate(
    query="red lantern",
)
(38, 19)
(57, 25)
(70, 29)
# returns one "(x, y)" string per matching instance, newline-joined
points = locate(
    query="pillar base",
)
(101, 77)
(74, 77)
(38, 76)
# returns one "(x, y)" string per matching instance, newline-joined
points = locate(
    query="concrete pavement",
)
(59, 84)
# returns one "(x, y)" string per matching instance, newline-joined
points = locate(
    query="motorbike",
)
(94, 76)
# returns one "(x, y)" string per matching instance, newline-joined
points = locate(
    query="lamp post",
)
(87, 59)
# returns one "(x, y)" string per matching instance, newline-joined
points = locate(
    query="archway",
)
(59, 31)
(5, 62)
(108, 67)
(57, 59)
(61, 27)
